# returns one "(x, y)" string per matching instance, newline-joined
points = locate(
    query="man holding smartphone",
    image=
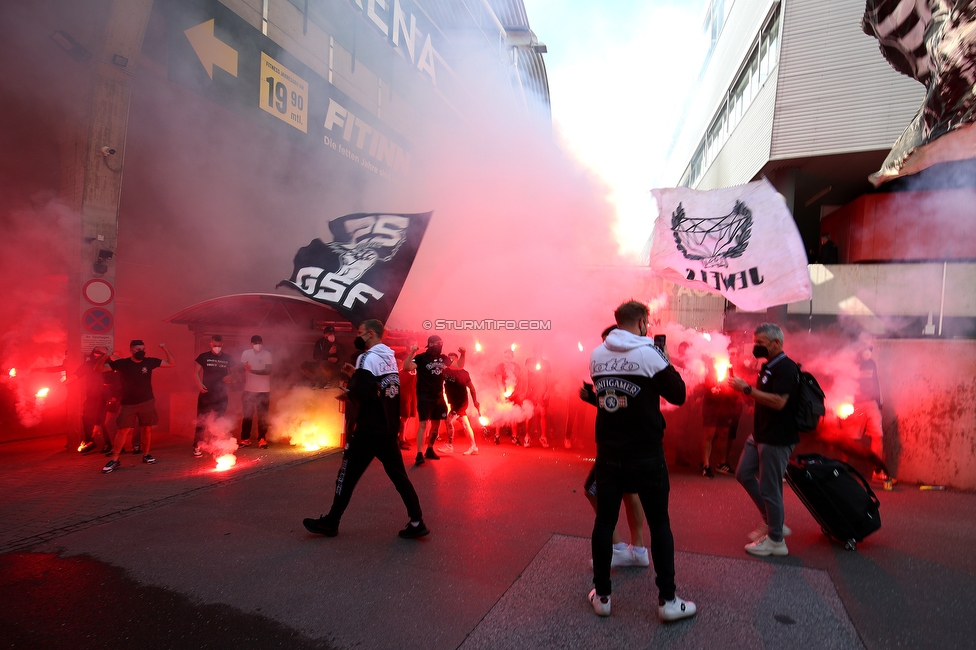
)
(630, 375)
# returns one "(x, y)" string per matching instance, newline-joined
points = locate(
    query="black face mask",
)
(435, 350)
(139, 354)
(359, 343)
(760, 351)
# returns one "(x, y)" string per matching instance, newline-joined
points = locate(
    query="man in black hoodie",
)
(375, 388)
(630, 375)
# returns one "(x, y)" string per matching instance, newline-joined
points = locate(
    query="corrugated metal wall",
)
(836, 93)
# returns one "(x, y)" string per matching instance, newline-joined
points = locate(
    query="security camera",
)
(108, 151)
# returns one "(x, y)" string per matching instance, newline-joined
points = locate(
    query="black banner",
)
(361, 271)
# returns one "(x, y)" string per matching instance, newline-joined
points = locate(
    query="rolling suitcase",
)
(837, 496)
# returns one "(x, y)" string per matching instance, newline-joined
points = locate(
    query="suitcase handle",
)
(864, 482)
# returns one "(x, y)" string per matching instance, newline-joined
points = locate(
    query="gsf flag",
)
(740, 242)
(361, 271)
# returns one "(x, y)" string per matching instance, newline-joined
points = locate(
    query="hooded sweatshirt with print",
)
(630, 376)
(375, 387)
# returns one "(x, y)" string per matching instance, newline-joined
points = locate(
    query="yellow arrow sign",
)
(211, 51)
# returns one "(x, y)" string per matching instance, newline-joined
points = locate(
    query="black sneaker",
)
(321, 526)
(107, 449)
(725, 468)
(110, 466)
(148, 459)
(414, 532)
(136, 449)
(431, 454)
(420, 459)
(707, 472)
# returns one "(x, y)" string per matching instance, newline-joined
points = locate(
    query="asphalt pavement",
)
(178, 555)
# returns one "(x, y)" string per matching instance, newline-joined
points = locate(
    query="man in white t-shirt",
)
(257, 391)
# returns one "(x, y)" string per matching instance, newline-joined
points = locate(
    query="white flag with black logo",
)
(740, 242)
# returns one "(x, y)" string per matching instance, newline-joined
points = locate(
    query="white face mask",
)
(257, 347)
(216, 349)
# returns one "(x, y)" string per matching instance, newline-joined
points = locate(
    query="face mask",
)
(359, 343)
(217, 349)
(257, 347)
(139, 354)
(760, 351)
(435, 350)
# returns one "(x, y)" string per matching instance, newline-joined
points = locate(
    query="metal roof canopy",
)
(254, 310)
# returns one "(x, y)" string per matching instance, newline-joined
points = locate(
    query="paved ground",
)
(177, 555)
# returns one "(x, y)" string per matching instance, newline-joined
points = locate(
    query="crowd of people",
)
(121, 388)
(630, 375)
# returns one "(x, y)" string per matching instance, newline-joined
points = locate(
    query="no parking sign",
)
(97, 320)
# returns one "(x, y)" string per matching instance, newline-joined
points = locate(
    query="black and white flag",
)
(361, 271)
(739, 242)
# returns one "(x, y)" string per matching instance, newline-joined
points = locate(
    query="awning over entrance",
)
(256, 310)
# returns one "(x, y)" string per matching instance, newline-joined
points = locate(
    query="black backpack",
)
(809, 398)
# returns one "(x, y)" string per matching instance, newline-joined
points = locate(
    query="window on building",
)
(757, 68)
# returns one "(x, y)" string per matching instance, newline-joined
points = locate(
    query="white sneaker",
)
(629, 557)
(763, 530)
(472, 451)
(446, 449)
(675, 610)
(601, 604)
(766, 546)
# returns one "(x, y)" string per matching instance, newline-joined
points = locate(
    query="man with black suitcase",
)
(767, 451)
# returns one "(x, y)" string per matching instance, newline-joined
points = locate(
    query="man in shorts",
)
(212, 372)
(138, 402)
(408, 403)
(721, 410)
(538, 378)
(430, 392)
(457, 383)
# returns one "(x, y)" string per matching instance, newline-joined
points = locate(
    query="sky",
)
(619, 72)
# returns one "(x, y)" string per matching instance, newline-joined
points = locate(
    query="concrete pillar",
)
(93, 161)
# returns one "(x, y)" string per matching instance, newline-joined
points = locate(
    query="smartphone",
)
(588, 386)
(660, 340)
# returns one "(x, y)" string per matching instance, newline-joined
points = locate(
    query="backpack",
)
(809, 402)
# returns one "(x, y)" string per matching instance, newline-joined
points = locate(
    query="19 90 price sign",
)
(283, 94)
